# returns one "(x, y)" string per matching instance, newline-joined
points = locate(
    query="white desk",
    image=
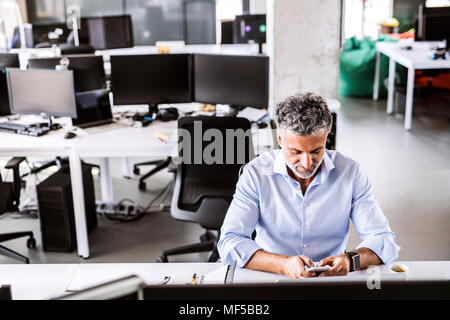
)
(415, 59)
(43, 281)
(118, 142)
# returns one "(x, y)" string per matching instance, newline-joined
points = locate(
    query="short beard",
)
(305, 174)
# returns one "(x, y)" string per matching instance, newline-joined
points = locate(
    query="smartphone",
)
(317, 269)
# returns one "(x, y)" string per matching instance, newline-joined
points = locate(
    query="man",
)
(300, 200)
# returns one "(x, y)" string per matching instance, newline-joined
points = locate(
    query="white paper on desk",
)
(217, 276)
(252, 114)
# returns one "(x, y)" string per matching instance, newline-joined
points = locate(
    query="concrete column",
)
(303, 43)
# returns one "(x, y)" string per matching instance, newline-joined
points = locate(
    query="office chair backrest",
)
(211, 158)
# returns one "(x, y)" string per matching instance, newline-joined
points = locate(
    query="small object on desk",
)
(70, 135)
(208, 107)
(194, 279)
(165, 281)
(399, 268)
(261, 125)
(161, 136)
(252, 114)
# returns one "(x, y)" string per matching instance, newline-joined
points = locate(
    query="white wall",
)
(303, 42)
(258, 6)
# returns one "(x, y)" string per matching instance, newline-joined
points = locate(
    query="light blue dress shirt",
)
(315, 224)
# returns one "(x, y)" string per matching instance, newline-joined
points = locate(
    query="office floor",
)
(410, 173)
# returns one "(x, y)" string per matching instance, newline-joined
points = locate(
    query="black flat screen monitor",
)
(250, 27)
(108, 32)
(433, 23)
(41, 31)
(93, 108)
(241, 81)
(88, 70)
(7, 60)
(151, 79)
(41, 91)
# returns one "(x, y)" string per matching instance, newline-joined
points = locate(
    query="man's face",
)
(303, 154)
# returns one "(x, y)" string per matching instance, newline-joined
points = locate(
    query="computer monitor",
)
(250, 27)
(93, 108)
(41, 31)
(303, 290)
(433, 24)
(151, 79)
(240, 81)
(7, 60)
(41, 91)
(108, 32)
(126, 288)
(88, 70)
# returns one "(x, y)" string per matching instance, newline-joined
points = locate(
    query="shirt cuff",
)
(385, 248)
(242, 252)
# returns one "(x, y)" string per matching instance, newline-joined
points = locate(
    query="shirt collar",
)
(327, 165)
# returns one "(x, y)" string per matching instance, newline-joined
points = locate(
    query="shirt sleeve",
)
(235, 242)
(369, 220)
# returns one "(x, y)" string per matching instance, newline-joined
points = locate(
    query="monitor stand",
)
(152, 108)
(50, 124)
(260, 45)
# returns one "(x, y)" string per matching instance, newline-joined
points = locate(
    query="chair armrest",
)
(14, 162)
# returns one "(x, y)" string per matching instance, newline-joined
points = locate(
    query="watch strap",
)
(354, 260)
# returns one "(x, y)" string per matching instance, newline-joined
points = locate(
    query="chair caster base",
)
(31, 243)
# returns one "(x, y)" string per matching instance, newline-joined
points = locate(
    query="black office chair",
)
(202, 191)
(9, 201)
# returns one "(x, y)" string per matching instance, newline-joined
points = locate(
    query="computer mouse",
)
(70, 135)
(261, 125)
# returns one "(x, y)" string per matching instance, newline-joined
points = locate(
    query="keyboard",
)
(29, 130)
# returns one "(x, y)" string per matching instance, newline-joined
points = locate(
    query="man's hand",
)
(294, 267)
(340, 265)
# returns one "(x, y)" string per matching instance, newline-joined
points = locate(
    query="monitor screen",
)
(250, 27)
(235, 80)
(88, 70)
(7, 60)
(151, 79)
(92, 107)
(108, 32)
(41, 91)
(436, 27)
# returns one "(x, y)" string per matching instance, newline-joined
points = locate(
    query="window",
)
(193, 21)
(363, 16)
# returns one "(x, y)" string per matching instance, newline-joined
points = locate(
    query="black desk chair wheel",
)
(203, 192)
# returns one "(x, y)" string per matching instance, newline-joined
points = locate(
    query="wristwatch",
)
(354, 260)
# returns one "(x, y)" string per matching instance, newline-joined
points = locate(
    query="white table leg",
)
(376, 81)
(106, 185)
(126, 168)
(76, 178)
(409, 98)
(390, 101)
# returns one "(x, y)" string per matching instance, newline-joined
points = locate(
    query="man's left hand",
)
(340, 265)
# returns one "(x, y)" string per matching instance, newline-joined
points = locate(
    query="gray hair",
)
(304, 114)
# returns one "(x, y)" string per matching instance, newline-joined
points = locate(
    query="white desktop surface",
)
(418, 58)
(116, 141)
(36, 281)
(44, 281)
